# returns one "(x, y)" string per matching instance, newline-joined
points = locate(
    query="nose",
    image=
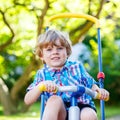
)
(55, 51)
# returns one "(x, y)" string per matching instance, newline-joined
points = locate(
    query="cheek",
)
(65, 55)
(45, 56)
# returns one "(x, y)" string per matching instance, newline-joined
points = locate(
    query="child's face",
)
(54, 56)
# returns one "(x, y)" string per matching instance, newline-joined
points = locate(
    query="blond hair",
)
(49, 38)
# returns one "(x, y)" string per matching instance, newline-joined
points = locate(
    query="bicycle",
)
(74, 111)
(100, 75)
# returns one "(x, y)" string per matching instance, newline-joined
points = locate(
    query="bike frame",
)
(100, 73)
(74, 111)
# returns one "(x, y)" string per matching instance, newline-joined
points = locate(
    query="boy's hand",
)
(50, 86)
(103, 94)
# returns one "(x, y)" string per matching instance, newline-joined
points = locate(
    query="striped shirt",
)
(72, 73)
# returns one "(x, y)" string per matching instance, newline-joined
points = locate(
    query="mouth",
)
(55, 58)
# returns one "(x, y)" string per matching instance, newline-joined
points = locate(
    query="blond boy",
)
(54, 47)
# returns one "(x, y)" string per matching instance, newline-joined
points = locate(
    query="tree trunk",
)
(23, 80)
(8, 106)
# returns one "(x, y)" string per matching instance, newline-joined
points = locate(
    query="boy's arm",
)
(32, 95)
(95, 88)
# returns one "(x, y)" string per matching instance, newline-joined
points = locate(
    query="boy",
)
(54, 47)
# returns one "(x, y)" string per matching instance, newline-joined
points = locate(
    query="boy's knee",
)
(55, 99)
(88, 114)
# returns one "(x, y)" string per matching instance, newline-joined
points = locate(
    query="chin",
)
(57, 66)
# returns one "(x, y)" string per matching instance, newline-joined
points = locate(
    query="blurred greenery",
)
(34, 113)
(22, 21)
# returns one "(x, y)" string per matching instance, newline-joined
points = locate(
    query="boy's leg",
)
(54, 109)
(88, 113)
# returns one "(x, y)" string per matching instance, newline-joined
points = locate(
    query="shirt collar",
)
(53, 71)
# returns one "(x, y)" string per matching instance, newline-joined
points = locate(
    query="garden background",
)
(21, 21)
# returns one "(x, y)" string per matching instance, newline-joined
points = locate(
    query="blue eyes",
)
(50, 49)
(60, 48)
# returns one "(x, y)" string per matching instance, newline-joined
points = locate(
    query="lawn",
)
(109, 111)
(34, 114)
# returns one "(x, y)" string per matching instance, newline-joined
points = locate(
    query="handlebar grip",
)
(43, 88)
(98, 96)
(107, 99)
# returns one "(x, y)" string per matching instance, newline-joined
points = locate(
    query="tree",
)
(23, 21)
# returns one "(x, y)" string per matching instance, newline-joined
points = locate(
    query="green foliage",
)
(15, 58)
(25, 18)
(111, 68)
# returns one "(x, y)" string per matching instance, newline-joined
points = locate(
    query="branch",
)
(41, 18)
(87, 25)
(3, 46)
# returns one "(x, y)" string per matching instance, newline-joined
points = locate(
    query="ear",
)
(41, 57)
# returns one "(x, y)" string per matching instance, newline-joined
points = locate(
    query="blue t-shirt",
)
(72, 73)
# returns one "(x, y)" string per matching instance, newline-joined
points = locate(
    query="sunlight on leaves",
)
(94, 47)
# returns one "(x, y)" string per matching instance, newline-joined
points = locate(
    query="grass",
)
(110, 111)
(34, 113)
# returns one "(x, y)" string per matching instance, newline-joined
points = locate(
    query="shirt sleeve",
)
(37, 79)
